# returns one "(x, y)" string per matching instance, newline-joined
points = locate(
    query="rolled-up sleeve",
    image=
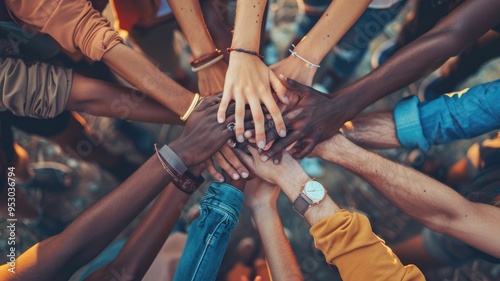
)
(459, 115)
(75, 25)
(37, 90)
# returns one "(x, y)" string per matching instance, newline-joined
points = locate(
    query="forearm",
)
(463, 26)
(372, 131)
(145, 76)
(190, 18)
(333, 24)
(248, 23)
(58, 257)
(279, 254)
(142, 246)
(435, 205)
(100, 98)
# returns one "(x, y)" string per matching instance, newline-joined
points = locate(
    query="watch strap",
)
(302, 204)
(172, 159)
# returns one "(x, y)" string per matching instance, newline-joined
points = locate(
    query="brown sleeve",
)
(38, 90)
(74, 24)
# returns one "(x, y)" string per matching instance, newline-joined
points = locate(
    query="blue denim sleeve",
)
(460, 115)
(209, 234)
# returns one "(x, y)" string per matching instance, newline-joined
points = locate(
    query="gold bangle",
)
(208, 64)
(191, 107)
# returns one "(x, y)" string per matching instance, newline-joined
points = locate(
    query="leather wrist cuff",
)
(205, 59)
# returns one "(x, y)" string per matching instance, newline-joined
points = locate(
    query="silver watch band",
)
(169, 155)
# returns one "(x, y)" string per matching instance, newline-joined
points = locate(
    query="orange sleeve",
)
(347, 241)
(74, 24)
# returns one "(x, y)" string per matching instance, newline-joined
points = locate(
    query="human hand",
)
(296, 69)
(260, 193)
(203, 135)
(229, 162)
(211, 79)
(248, 81)
(312, 117)
(267, 170)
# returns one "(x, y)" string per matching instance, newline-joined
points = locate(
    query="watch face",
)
(315, 191)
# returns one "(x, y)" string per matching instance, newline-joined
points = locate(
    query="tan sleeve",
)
(347, 241)
(74, 24)
(38, 90)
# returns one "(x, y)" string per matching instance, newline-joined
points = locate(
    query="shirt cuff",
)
(408, 125)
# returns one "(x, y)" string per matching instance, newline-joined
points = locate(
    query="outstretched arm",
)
(435, 205)
(343, 237)
(190, 18)
(448, 38)
(58, 257)
(333, 24)
(248, 79)
(260, 197)
(101, 98)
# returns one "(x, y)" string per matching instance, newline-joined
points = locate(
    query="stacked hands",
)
(305, 112)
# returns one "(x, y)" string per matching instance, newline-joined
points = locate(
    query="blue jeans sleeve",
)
(460, 115)
(209, 234)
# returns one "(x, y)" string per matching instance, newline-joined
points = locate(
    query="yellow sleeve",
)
(347, 241)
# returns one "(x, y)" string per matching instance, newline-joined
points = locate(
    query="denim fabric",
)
(209, 234)
(460, 115)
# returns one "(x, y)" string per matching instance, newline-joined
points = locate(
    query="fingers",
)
(275, 112)
(280, 145)
(245, 158)
(258, 118)
(226, 166)
(309, 147)
(278, 87)
(239, 120)
(213, 171)
(233, 160)
(221, 113)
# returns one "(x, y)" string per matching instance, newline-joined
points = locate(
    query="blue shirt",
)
(459, 115)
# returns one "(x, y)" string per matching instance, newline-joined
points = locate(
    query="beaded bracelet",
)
(204, 59)
(240, 50)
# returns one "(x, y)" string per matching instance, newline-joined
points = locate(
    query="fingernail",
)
(287, 100)
(221, 179)
(276, 162)
(241, 138)
(248, 134)
(261, 144)
(264, 158)
(236, 176)
(220, 120)
(245, 175)
(282, 133)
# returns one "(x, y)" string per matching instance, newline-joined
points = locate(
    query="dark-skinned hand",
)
(311, 117)
(203, 135)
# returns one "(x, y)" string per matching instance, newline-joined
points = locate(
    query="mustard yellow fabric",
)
(347, 241)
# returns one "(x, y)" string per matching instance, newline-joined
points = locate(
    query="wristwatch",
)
(312, 194)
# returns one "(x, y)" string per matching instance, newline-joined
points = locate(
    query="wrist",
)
(263, 208)
(181, 152)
